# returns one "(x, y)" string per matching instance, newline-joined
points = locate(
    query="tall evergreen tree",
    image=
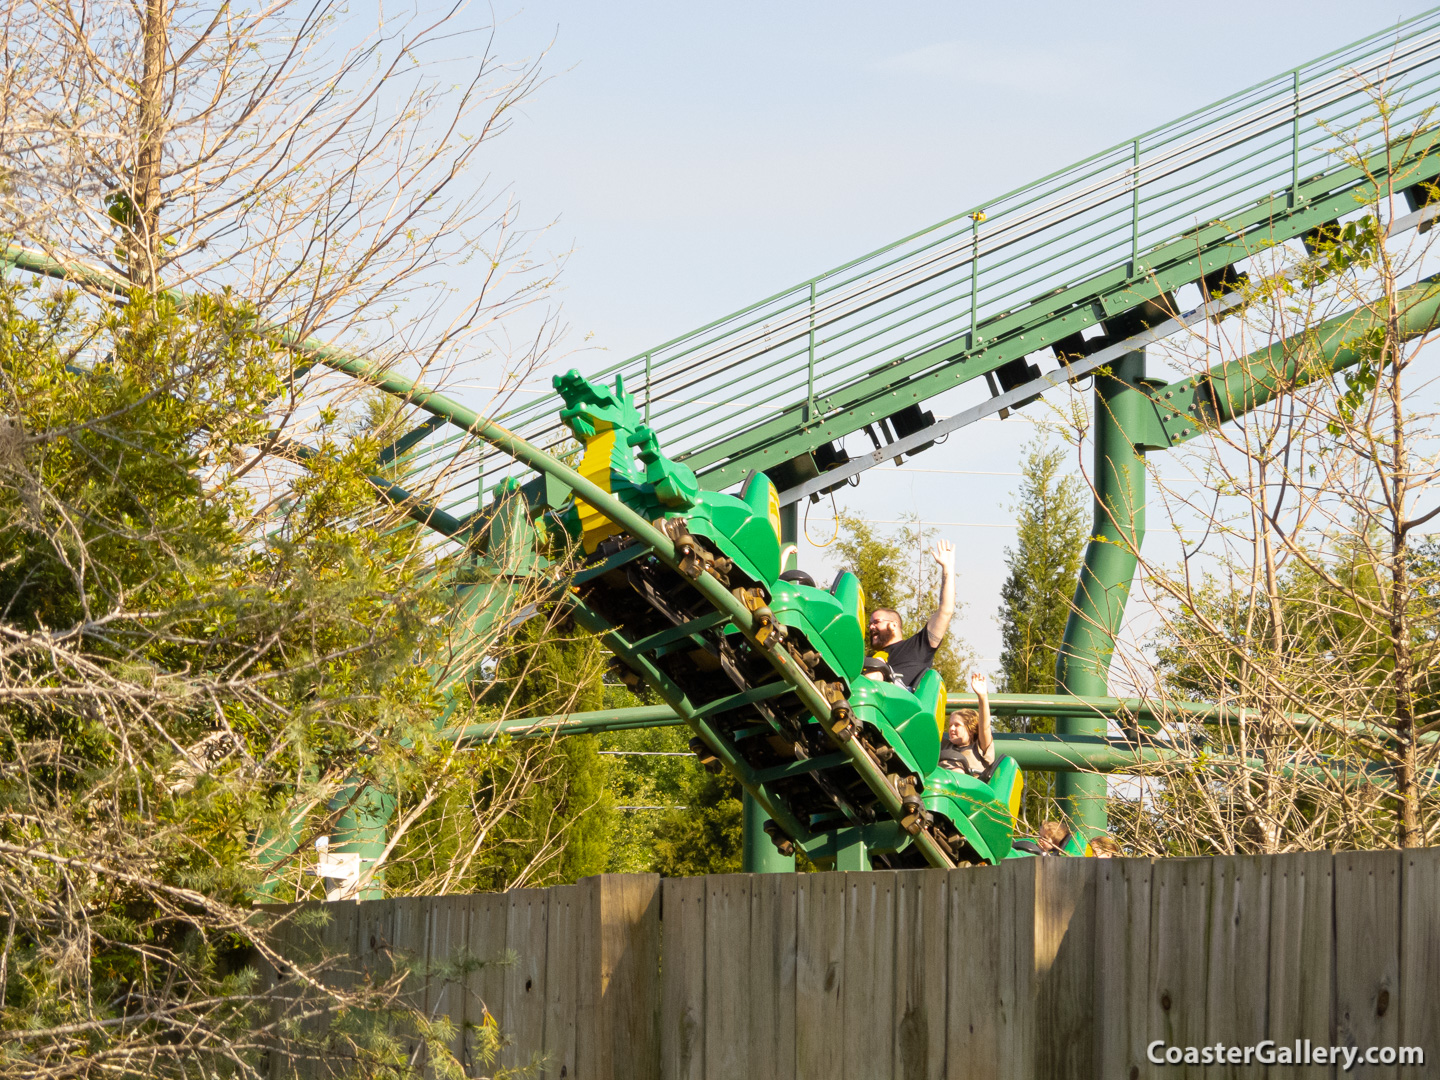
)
(1035, 599)
(1044, 565)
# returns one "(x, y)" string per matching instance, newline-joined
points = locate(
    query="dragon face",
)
(591, 408)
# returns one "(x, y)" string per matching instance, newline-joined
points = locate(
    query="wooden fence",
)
(1038, 968)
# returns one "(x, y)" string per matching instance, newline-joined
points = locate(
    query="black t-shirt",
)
(910, 658)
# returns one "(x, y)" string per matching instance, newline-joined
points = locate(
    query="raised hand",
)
(944, 554)
(978, 684)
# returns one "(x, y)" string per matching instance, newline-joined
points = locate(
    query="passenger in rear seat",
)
(1052, 838)
(878, 670)
(969, 744)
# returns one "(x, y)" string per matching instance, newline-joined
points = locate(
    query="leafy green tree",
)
(189, 668)
(216, 641)
(695, 828)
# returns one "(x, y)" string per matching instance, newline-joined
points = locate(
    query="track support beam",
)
(1111, 557)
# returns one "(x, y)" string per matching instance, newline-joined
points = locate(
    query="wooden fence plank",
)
(410, 943)
(620, 1037)
(819, 975)
(567, 919)
(727, 976)
(869, 979)
(990, 964)
(1180, 907)
(337, 943)
(445, 952)
(1239, 958)
(1122, 967)
(522, 1015)
(1367, 954)
(375, 937)
(1420, 959)
(376, 960)
(921, 969)
(288, 940)
(1300, 970)
(484, 990)
(1064, 931)
(772, 977)
(682, 1008)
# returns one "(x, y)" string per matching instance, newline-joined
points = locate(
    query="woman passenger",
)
(969, 745)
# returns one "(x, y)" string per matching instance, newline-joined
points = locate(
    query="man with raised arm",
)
(911, 657)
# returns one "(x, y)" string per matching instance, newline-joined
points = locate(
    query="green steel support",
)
(1057, 705)
(1185, 408)
(851, 853)
(365, 809)
(758, 854)
(562, 724)
(364, 827)
(1110, 562)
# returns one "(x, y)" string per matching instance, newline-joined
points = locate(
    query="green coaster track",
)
(1077, 271)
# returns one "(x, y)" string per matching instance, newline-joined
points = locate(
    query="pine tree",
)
(1035, 599)
(1044, 566)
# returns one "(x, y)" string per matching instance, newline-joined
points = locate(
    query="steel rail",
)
(706, 584)
(1032, 752)
(1282, 110)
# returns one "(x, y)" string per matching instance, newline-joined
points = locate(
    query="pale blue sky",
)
(694, 158)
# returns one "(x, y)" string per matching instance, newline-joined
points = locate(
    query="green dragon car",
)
(908, 722)
(744, 530)
(832, 623)
(982, 812)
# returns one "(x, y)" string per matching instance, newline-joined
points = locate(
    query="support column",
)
(851, 851)
(1083, 664)
(758, 854)
(363, 829)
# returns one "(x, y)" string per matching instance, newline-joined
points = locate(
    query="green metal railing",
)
(951, 303)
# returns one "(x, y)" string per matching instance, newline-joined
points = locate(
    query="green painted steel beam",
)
(801, 767)
(688, 712)
(1111, 557)
(758, 853)
(915, 379)
(1037, 752)
(1051, 705)
(562, 724)
(1183, 410)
